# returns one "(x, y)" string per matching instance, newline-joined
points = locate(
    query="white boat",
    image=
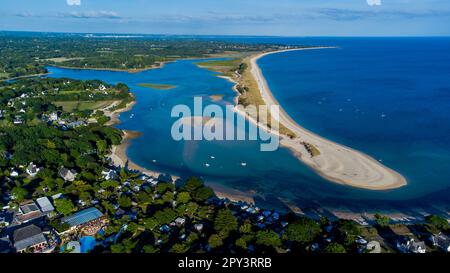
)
(243, 164)
(207, 165)
(212, 157)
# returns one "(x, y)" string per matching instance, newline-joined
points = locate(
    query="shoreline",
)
(119, 156)
(118, 153)
(336, 163)
(128, 70)
(24, 77)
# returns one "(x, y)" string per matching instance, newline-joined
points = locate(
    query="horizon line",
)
(228, 35)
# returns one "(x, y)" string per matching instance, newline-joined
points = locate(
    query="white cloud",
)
(95, 14)
(374, 2)
(73, 2)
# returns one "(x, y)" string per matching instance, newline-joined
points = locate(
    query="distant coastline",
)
(129, 70)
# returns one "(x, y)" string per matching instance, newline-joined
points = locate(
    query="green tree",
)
(246, 227)
(241, 242)
(191, 209)
(268, 238)
(126, 246)
(124, 201)
(150, 249)
(192, 184)
(215, 241)
(202, 194)
(381, 220)
(334, 248)
(302, 231)
(348, 230)
(225, 222)
(165, 216)
(150, 223)
(437, 221)
(19, 193)
(64, 206)
(109, 184)
(167, 197)
(179, 248)
(183, 197)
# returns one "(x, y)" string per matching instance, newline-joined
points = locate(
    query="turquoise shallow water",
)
(386, 97)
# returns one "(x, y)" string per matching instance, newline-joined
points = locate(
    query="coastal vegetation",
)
(312, 150)
(157, 86)
(236, 69)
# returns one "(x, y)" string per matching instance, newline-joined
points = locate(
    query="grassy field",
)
(62, 59)
(83, 105)
(4, 75)
(225, 67)
(71, 91)
(157, 86)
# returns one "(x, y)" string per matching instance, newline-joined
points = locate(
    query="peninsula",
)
(332, 161)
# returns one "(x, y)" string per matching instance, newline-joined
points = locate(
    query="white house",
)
(32, 170)
(14, 173)
(110, 175)
(53, 116)
(67, 175)
(442, 241)
(198, 227)
(407, 245)
(180, 221)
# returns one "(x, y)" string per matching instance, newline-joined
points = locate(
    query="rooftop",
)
(45, 204)
(82, 217)
(28, 236)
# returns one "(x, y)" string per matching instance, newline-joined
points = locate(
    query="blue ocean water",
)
(388, 97)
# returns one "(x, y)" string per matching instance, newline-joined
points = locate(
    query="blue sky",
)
(231, 17)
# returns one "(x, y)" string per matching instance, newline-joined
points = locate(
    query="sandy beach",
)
(119, 153)
(234, 195)
(336, 163)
